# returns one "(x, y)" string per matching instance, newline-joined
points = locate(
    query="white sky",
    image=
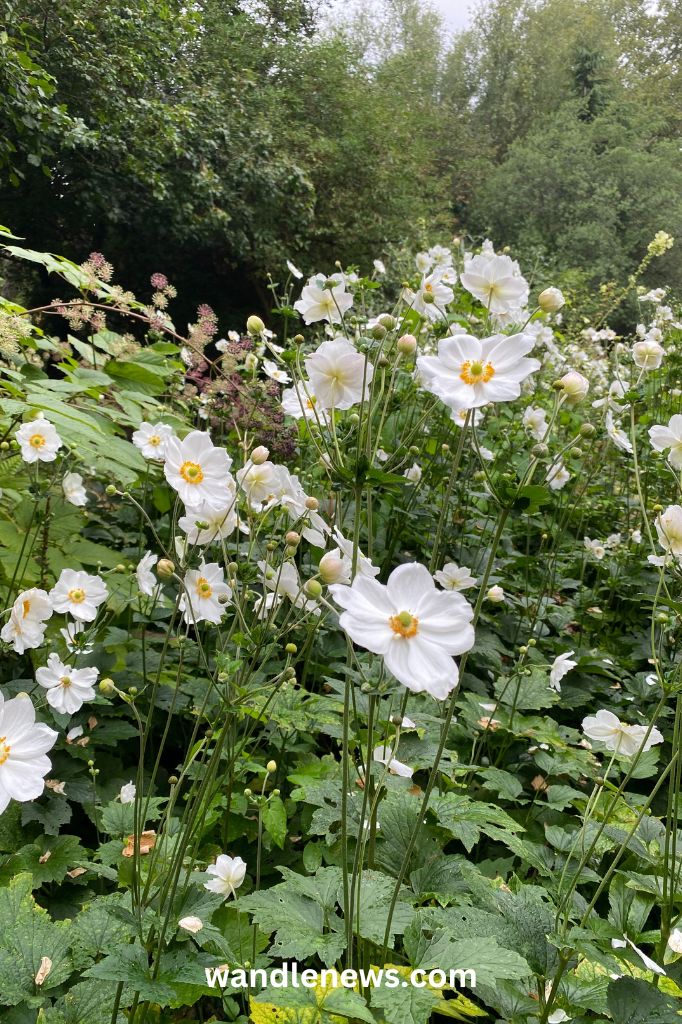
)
(456, 12)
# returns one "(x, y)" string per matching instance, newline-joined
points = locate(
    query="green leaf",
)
(633, 1001)
(26, 936)
(130, 964)
(275, 820)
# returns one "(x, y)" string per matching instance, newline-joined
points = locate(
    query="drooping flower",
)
(300, 401)
(128, 793)
(283, 581)
(324, 299)
(229, 874)
(79, 594)
(595, 547)
(454, 577)
(415, 627)
(274, 372)
(191, 924)
(146, 580)
(339, 374)
(294, 271)
(74, 491)
(197, 470)
(648, 354)
(535, 422)
(23, 751)
(151, 439)
(205, 594)
(414, 474)
(363, 565)
(669, 437)
(617, 434)
(38, 440)
(669, 529)
(675, 940)
(561, 666)
(25, 628)
(495, 282)
(606, 728)
(73, 639)
(468, 373)
(557, 476)
(384, 755)
(216, 524)
(67, 688)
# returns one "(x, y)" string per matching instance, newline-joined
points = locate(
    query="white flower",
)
(38, 440)
(78, 593)
(300, 401)
(333, 568)
(152, 438)
(262, 484)
(191, 924)
(675, 940)
(72, 486)
(294, 271)
(25, 628)
(146, 580)
(612, 541)
(413, 474)
(574, 386)
(535, 422)
(423, 262)
(229, 874)
(67, 688)
(318, 302)
(379, 266)
(197, 470)
(384, 755)
(454, 577)
(561, 666)
(71, 634)
(128, 793)
(273, 371)
(468, 373)
(495, 282)
(363, 567)
(551, 300)
(669, 437)
(636, 536)
(339, 374)
(216, 524)
(496, 594)
(23, 747)
(595, 547)
(646, 960)
(205, 594)
(283, 581)
(558, 1017)
(669, 529)
(648, 354)
(432, 297)
(617, 434)
(415, 627)
(558, 476)
(606, 728)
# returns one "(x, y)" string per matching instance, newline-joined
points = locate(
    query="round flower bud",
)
(587, 430)
(407, 344)
(332, 568)
(551, 300)
(383, 361)
(312, 504)
(354, 419)
(396, 720)
(255, 325)
(165, 568)
(111, 490)
(291, 649)
(259, 455)
(298, 339)
(427, 297)
(378, 332)
(388, 321)
(106, 686)
(271, 767)
(293, 539)
(251, 361)
(496, 594)
(313, 588)
(574, 386)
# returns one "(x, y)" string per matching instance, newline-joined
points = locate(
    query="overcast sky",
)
(455, 12)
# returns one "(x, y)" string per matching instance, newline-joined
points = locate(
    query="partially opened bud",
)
(260, 455)
(255, 325)
(551, 300)
(574, 386)
(332, 569)
(407, 344)
(165, 568)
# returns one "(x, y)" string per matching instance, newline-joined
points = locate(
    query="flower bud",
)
(106, 686)
(298, 339)
(111, 490)
(378, 332)
(388, 321)
(496, 595)
(331, 568)
(383, 361)
(293, 539)
(165, 568)
(313, 588)
(587, 430)
(259, 455)
(407, 345)
(574, 386)
(255, 325)
(251, 361)
(271, 767)
(291, 649)
(551, 300)
(312, 504)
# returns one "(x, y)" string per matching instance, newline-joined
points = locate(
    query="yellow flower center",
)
(77, 595)
(404, 624)
(203, 587)
(65, 681)
(191, 472)
(26, 605)
(36, 440)
(476, 371)
(155, 440)
(310, 403)
(4, 749)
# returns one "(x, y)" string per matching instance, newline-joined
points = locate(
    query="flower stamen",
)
(404, 624)
(191, 472)
(476, 371)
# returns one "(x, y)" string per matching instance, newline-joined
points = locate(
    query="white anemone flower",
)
(384, 755)
(78, 593)
(300, 402)
(557, 476)
(205, 525)
(606, 728)
(648, 354)
(561, 666)
(495, 282)
(468, 373)
(321, 300)
(197, 470)
(128, 793)
(670, 437)
(38, 440)
(191, 924)
(274, 372)
(23, 751)
(261, 483)
(71, 634)
(74, 491)
(283, 581)
(67, 688)
(432, 296)
(496, 594)
(415, 627)
(454, 577)
(669, 529)
(339, 374)
(363, 565)
(25, 628)
(228, 872)
(205, 594)
(617, 434)
(294, 271)
(535, 422)
(675, 940)
(151, 439)
(595, 547)
(146, 580)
